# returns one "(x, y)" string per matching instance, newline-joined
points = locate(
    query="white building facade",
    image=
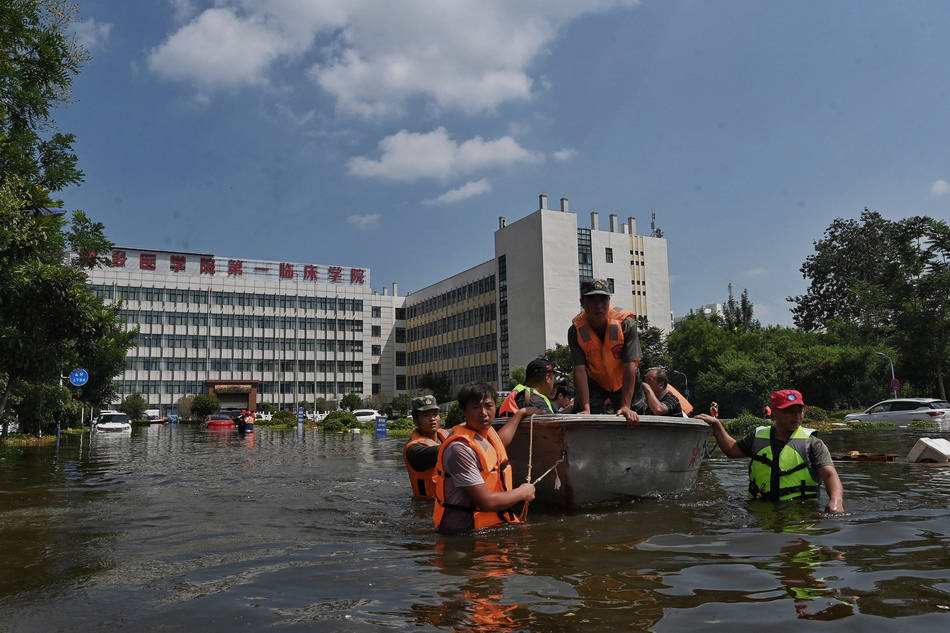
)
(535, 276)
(264, 331)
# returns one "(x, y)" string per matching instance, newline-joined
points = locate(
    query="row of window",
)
(469, 346)
(195, 387)
(453, 322)
(200, 341)
(222, 298)
(242, 365)
(473, 289)
(155, 317)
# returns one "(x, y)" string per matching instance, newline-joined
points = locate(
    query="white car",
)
(365, 415)
(903, 411)
(113, 422)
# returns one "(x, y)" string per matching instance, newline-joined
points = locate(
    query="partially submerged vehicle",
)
(222, 420)
(599, 459)
(112, 422)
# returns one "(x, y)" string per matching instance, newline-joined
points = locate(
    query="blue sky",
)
(391, 135)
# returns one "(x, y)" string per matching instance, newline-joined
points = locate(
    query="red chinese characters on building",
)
(207, 266)
(286, 271)
(119, 258)
(236, 267)
(177, 263)
(335, 273)
(310, 272)
(357, 275)
(146, 261)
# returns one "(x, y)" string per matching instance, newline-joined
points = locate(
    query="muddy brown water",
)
(177, 529)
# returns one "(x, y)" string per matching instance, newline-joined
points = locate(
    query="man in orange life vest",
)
(422, 451)
(605, 352)
(473, 487)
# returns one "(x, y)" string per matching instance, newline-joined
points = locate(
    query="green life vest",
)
(796, 474)
(510, 407)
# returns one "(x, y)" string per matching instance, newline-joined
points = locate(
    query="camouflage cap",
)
(594, 287)
(424, 403)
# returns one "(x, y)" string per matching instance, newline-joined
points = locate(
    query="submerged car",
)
(113, 422)
(365, 415)
(903, 411)
(219, 420)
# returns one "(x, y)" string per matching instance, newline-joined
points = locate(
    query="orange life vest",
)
(422, 482)
(493, 466)
(604, 358)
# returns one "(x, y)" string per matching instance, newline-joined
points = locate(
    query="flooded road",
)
(178, 529)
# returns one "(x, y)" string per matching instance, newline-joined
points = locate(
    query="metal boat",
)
(603, 460)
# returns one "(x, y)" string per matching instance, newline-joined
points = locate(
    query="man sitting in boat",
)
(537, 393)
(564, 398)
(660, 400)
(473, 487)
(787, 460)
(605, 352)
(422, 450)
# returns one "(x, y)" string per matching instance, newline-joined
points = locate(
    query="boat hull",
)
(604, 460)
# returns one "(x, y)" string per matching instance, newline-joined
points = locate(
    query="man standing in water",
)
(423, 447)
(787, 459)
(605, 352)
(473, 487)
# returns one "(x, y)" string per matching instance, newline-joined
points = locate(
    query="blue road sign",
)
(687, 393)
(78, 377)
(381, 426)
(300, 415)
(895, 384)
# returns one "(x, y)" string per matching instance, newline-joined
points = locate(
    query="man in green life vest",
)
(787, 460)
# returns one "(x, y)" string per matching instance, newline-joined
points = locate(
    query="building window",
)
(585, 266)
(400, 314)
(609, 254)
(610, 285)
(400, 382)
(400, 335)
(376, 312)
(400, 359)
(502, 269)
(376, 369)
(377, 331)
(376, 388)
(377, 350)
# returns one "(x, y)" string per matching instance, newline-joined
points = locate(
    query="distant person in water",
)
(787, 459)
(714, 410)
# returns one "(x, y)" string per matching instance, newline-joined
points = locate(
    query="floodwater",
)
(178, 529)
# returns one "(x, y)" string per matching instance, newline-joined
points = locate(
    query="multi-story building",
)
(253, 331)
(480, 323)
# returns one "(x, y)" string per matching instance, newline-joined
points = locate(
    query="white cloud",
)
(939, 188)
(468, 190)
(758, 271)
(369, 221)
(92, 34)
(372, 57)
(564, 154)
(408, 156)
(183, 10)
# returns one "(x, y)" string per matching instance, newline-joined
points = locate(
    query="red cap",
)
(786, 398)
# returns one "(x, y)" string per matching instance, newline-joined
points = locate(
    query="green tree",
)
(560, 357)
(518, 376)
(652, 344)
(205, 404)
(738, 315)
(134, 406)
(351, 401)
(402, 403)
(438, 383)
(321, 405)
(183, 406)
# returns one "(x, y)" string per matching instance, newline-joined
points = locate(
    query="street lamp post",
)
(893, 377)
(685, 380)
